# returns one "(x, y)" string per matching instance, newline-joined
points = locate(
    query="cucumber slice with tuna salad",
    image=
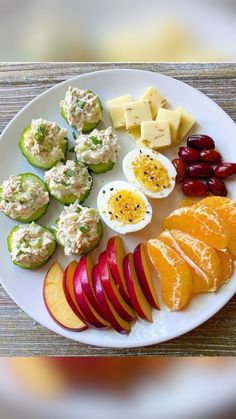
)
(98, 150)
(69, 182)
(81, 109)
(31, 245)
(43, 143)
(24, 197)
(78, 229)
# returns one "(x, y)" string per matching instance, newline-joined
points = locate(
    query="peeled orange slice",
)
(227, 264)
(225, 208)
(195, 253)
(175, 275)
(201, 222)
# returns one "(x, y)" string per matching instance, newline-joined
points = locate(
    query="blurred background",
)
(117, 30)
(115, 388)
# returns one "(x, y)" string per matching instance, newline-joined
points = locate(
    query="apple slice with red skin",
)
(117, 322)
(56, 303)
(84, 271)
(90, 314)
(68, 287)
(115, 257)
(112, 291)
(144, 277)
(136, 294)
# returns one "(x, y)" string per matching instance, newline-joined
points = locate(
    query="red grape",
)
(188, 154)
(210, 156)
(224, 170)
(200, 141)
(193, 187)
(180, 169)
(199, 170)
(216, 186)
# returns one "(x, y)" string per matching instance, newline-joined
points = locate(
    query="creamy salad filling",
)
(77, 228)
(20, 196)
(30, 244)
(97, 147)
(71, 178)
(80, 107)
(45, 139)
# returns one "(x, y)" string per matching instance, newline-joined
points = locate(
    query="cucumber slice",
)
(88, 126)
(101, 167)
(35, 161)
(51, 249)
(40, 211)
(70, 199)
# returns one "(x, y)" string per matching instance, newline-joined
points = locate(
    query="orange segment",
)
(225, 208)
(175, 275)
(201, 281)
(201, 222)
(232, 247)
(204, 256)
(227, 264)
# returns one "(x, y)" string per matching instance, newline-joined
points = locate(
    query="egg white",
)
(102, 204)
(130, 176)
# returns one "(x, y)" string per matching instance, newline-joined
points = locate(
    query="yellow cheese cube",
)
(135, 133)
(116, 109)
(155, 100)
(155, 134)
(187, 121)
(137, 112)
(173, 118)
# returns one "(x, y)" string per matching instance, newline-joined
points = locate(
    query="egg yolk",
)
(150, 173)
(126, 207)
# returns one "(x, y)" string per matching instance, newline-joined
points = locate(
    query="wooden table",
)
(21, 336)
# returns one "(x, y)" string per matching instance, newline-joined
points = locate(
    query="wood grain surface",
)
(20, 335)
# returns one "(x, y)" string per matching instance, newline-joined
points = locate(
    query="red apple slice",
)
(69, 289)
(115, 257)
(90, 314)
(56, 303)
(112, 292)
(84, 271)
(137, 297)
(119, 324)
(144, 277)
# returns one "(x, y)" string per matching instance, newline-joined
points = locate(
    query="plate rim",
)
(122, 344)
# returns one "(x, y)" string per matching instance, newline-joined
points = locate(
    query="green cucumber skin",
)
(88, 126)
(72, 198)
(39, 212)
(52, 250)
(35, 162)
(101, 167)
(99, 232)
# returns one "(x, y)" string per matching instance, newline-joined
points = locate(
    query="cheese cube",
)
(137, 112)
(155, 100)
(135, 133)
(155, 134)
(116, 109)
(187, 121)
(173, 118)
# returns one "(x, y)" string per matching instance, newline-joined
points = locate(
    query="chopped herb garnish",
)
(83, 229)
(78, 210)
(40, 133)
(71, 173)
(95, 140)
(72, 150)
(80, 103)
(74, 135)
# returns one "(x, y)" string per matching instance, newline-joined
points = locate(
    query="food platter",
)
(25, 287)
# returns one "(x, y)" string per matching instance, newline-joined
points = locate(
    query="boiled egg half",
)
(151, 172)
(123, 207)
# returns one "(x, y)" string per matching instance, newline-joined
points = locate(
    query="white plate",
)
(25, 287)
